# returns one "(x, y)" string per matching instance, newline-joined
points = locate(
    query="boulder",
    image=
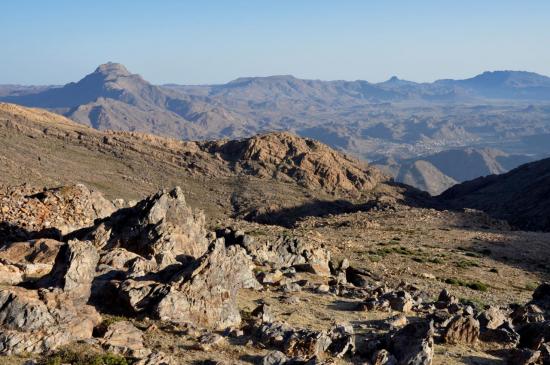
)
(27, 260)
(533, 335)
(287, 251)
(462, 329)
(123, 338)
(342, 340)
(74, 270)
(505, 335)
(445, 299)
(39, 321)
(298, 343)
(202, 292)
(413, 344)
(274, 358)
(491, 318)
(161, 227)
(206, 295)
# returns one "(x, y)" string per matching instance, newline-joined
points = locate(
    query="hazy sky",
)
(201, 41)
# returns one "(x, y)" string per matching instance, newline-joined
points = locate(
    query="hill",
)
(521, 196)
(272, 172)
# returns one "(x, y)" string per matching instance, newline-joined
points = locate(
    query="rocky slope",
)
(273, 171)
(148, 285)
(520, 196)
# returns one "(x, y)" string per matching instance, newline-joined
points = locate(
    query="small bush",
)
(476, 285)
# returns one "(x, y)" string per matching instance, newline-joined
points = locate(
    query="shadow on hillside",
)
(527, 251)
(10, 232)
(289, 216)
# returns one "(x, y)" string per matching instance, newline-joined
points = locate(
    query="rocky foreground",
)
(85, 280)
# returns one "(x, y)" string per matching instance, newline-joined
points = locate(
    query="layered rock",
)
(202, 292)
(161, 227)
(37, 321)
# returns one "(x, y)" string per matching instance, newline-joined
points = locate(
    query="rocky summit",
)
(128, 248)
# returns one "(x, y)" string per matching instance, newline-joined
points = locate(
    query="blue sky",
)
(194, 42)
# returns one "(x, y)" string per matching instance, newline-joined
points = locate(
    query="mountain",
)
(113, 98)
(438, 172)
(404, 119)
(521, 196)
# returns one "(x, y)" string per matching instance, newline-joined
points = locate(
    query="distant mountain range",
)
(395, 120)
(438, 172)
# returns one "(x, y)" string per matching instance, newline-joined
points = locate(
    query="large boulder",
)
(202, 292)
(413, 344)
(285, 251)
(161, 227)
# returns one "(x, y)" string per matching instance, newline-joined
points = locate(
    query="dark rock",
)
(342, 340)
(533, 335)
(413, 344)
(505, 335)
(523, 357)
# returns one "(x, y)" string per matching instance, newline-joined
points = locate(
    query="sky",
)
(209, 41)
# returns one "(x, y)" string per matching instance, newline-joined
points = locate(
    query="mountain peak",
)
(112, 68)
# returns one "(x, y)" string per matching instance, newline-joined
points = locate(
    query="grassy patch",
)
(67, 356)
(465, 264)
(474, 285)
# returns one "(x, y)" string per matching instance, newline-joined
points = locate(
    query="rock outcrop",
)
(28, 213)
(161, 227)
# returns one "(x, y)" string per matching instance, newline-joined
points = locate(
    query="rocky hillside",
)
(521, 196)
(275, 170)
(437, 172)
(148, 284)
